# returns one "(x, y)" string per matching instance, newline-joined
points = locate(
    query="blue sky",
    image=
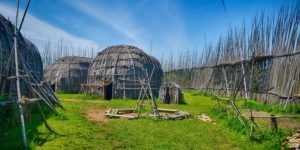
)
(171, 25)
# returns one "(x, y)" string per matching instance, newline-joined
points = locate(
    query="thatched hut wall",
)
(30, 69)
(171, 93)
(28, 55)
(124, 66)
(68, 73)
(33, 58)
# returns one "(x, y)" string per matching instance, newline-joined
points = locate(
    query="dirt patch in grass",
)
(97, 115)
(101, 136)
(204, 117)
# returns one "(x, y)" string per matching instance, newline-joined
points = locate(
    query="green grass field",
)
(74, 131)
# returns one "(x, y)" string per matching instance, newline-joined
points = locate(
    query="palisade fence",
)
(264, 61)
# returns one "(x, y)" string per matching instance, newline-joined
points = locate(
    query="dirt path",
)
(97, 115)
(91, 114)
(78, 101)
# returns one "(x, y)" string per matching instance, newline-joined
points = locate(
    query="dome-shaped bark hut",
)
(28, 76)
(118, 70)
(171, 93)
(68, 73)
(29, 56)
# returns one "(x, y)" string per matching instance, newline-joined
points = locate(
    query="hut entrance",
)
(171, 93)
(107, 89)
(53, 87)
(167, 98)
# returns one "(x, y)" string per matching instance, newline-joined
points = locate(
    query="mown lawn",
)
(74, 131)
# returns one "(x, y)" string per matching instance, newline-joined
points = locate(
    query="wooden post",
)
(273, 123)
(227, 107)
(18, 82)
(244, 79)
(226, 82)
(217, 101)
(251, 115)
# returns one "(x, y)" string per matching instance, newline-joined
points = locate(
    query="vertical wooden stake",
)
(273, 123)
(21, 112)
(226, 82)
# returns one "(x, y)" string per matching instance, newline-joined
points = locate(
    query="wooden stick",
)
(24, 137)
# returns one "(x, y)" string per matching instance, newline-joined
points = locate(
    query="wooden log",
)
(108, 111)
(26, 100)
(124, 111)
(183, 113)
(15, 77)
(124, 116)
(112, 115)
(167, 110)
(178, 116)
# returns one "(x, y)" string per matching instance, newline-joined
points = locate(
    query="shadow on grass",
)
(41, 138)
(10, 129)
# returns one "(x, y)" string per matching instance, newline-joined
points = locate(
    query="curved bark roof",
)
(61, 67)
(29, 54)
(30, 67)
(68, 73)
(125, 65)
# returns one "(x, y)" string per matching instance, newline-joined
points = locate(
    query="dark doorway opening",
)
(53, 87)
(107, 89)
(168, 97)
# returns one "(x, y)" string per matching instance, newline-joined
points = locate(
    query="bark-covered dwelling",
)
(29, 79)
(68, 73)
(117, 72)
(29, 59)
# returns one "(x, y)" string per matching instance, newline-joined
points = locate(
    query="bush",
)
(275, 109)
(273, 138)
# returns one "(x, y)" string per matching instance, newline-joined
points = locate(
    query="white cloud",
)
(39, 31)
(166, 19)
(119, 19)
(123, 19)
